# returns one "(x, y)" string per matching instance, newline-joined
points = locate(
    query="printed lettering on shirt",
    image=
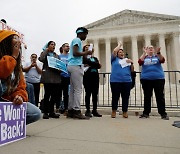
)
(151, 61)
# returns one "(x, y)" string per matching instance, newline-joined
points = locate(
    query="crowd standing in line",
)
(152, 78)
(91, 82)
(120, 79)
(12, 82)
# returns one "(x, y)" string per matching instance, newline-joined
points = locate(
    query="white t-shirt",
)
(32, 75)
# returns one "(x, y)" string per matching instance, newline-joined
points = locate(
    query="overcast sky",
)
(44, 20)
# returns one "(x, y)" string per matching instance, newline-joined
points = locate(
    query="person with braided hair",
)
(12, 83)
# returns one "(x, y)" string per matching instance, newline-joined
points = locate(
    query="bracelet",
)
(158, 53)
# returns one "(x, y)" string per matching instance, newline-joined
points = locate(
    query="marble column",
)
(147, 39)
(96, 48)
(176, 45)
(134, 53)
(163, 50)
(108, 54)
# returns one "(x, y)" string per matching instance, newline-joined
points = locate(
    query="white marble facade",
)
(136, 29)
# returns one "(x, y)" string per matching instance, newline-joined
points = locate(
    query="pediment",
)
(130, 17)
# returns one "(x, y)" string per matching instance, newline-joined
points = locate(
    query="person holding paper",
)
(52, 81)
(120, 79)
(76, 71)
(152, 78)
(12, 82)
(91, 81)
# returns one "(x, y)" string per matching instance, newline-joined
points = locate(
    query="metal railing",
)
(172, 91)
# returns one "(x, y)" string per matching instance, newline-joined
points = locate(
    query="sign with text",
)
(12, 122)
(57, 64)
(4, 26)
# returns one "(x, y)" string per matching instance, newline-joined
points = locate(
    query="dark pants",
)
(36, 92)
(51, 96)
(65, 82)
(91, 85)
(124, 89)
(158, 86)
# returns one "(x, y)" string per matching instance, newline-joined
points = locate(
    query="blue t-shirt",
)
(152, 69)
(75, 60)
(64, 58)
(119, 74)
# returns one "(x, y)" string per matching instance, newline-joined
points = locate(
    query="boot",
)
(79, 115)
(125, 115)
(96, 114)
(88, 113)
(113, 115)
(70, 113)
(54, 115)
(45, 116)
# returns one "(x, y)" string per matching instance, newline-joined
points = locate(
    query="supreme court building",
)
(136, 29)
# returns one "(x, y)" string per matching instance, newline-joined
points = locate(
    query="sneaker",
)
(96, 114)
(144, 116)
(45, 116)
(88, 114)
(125, 115)
(113, 115)
(70, 113)
(54, 115)
(78, 115)
(165, 117)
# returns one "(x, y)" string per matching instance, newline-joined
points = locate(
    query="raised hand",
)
(158, 49)
(145, 49)
(120, 44)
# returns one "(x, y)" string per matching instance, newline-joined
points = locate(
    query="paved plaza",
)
(99, 136)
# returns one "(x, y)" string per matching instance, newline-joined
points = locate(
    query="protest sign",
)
(12, 122)
(57, 64)
(4, 26)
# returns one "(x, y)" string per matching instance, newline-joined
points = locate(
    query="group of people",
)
(68, 86)
(82, 69)
(152, 78)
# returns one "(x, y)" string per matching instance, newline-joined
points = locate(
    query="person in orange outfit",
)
(12, 83)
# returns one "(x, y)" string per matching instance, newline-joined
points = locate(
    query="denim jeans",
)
(33, 113)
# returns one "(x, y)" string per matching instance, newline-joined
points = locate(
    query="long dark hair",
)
(6, 48)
